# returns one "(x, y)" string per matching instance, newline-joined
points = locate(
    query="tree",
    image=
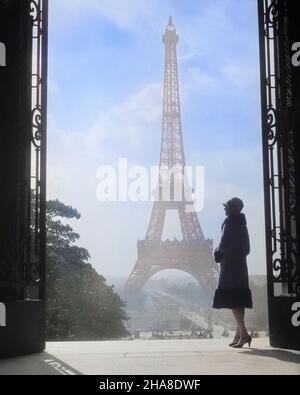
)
(80, 305)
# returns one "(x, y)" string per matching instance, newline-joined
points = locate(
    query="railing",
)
(282, 217)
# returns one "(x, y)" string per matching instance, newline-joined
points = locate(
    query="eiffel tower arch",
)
(193, 254)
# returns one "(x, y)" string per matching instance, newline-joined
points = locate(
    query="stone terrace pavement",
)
(161, 357)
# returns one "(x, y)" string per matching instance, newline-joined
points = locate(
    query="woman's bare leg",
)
(237, 334)
(239, 315)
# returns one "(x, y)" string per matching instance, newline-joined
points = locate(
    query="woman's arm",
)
(246, 241)
(226, 237)
(219, 251)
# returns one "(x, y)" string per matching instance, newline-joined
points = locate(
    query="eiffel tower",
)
(194, 253)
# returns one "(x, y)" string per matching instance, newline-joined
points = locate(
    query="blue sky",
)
(105, 102)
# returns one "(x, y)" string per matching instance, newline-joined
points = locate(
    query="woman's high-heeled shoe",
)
(243, 340)
(234, 341)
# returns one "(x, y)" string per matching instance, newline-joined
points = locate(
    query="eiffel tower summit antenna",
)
(170, 21)
(193, 254)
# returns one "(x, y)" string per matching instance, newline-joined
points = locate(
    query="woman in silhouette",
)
(233, 289)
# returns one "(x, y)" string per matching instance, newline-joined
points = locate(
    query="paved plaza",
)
(156, 357)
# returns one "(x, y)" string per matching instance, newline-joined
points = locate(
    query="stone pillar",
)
(22, 135)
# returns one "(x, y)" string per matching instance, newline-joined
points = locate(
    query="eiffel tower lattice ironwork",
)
(194, 253)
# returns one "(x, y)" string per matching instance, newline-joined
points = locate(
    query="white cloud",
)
(203, 31)
(126, 14)
(121, 130)
(126, 124)
(241, 75)
(197, 81)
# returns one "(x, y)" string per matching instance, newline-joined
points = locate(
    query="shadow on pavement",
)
(281, 355)
(37, 364)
